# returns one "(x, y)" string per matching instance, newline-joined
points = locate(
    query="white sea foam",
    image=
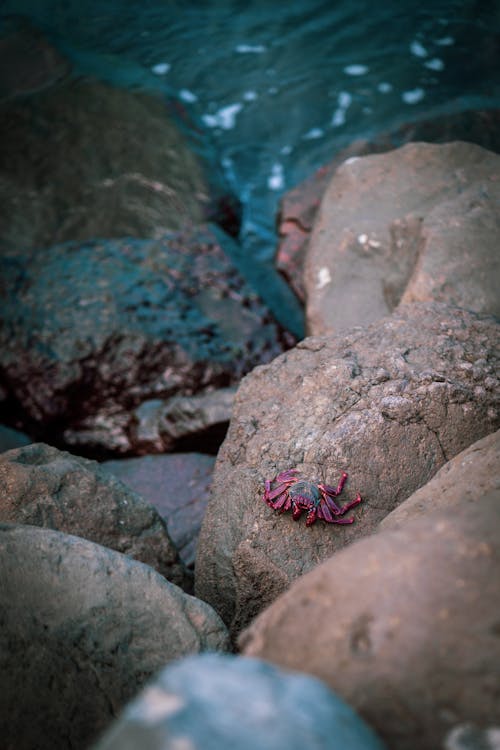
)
(286, 150)
(344, 101)
(434, 64)
(384, 87)
(250, 48)
(276, 180)
(250, 96)
(225, 118)
(418, 49)
(445, 41)
(356, 69)
(187, 96)
(312, 134)
(413, 96)
(161, 68)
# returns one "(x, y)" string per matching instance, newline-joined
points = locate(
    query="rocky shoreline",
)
(130, 335)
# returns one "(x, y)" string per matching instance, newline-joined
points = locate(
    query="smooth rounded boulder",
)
(404, 625)
(82, 628)
(389, 405)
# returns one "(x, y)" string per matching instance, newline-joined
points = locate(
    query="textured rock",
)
(416, 224)
(222, 702)
(466, 479)
(299, 205)
(84, 160)
(177, 486)
(89, 332)
(403, 625)
(389, 404)
(46, 487)
(81, 629)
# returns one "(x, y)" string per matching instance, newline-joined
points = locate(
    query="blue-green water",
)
(279, 87)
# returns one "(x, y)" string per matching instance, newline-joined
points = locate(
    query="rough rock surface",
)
(389, 404)
(416, 224)
(90, 331)
(177, 485)
(223, 702)
(81, 629)
(299, 206)
(43, 486)
(466, 479)
(84, 159)
(403, 625)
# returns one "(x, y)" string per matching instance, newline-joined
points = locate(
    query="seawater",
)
(279, 87)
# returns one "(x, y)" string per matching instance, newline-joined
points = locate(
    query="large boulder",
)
(389, 404)
(224, 702)
(465, 480)
(416, 224)
(300, 204)
(81, 629)
(84, 159)
(177, 485)
(43, 486)
(403, 625)
(90, 331)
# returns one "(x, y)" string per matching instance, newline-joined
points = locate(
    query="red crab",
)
(301, 494)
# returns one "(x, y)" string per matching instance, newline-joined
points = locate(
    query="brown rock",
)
(465, 480)
(299, 205)
(403, 625)
(43, 486)
(177, 485)
(389, 404)
(415, 224)
(81, 630)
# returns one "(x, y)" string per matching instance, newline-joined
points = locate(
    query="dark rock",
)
(403, 625)
(43, 486)
(84, 160)
(222, 702)
(177, 486)
(412, 225)
(28, 62)
(91, 331)
(465, 480)
(299, 205)
(81, 630)
(389, 404)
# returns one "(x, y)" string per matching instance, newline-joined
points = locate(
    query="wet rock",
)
(222, 702)
(177, 485)
(465, 480)
(82, 629)
(299, 206)
(403, 625)
(84, 160)
(415, 224)
(389, 404)
(91, 331)
(43, 486)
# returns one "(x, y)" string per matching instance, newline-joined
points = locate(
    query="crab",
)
(287, 491)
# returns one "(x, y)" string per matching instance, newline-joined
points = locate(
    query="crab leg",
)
(334, 491)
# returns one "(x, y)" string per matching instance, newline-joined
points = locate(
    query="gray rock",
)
(222, 702)
(91, 331)
(43, 486)
(403, 625)
(81, 629)
(415, 224)
(466, 479)
(389, 404)
(177, 485)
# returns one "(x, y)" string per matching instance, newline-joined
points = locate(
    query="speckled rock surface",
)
(43, 486)
(403, 625)
(465, 480)
(415, 224)
(81, 629)
(389, 404)
(222, 702)
(177, 485)
(91, 331)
